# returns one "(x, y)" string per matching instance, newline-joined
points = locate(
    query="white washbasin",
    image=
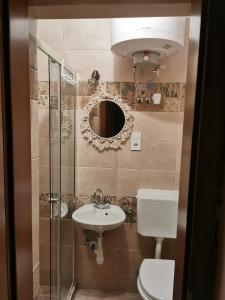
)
(99, 220)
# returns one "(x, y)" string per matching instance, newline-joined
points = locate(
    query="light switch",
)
(136, 141)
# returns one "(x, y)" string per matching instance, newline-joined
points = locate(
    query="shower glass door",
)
(62, 92)
(55, 175)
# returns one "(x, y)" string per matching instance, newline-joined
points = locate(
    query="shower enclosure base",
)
(85, 294)
(44, 293)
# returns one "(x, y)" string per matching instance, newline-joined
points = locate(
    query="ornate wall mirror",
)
(106, 123)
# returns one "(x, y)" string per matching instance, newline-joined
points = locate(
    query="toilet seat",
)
(155, 280)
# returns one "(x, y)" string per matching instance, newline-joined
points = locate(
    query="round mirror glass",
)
(106, 119)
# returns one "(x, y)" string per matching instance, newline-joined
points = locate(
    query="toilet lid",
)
(156, 277)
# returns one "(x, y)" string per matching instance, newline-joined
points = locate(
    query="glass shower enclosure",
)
(58, 264)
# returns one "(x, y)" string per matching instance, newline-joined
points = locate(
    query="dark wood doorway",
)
(206, 154)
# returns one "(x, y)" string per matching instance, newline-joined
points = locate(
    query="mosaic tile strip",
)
(173, 94)
(113, 88)
(84, 89)
(43, 101)
(68, 88)
(128, 94)
(171, 89)
(172, 104)
(45, 208)
(82, 101)
(68, 102)
(43, 88)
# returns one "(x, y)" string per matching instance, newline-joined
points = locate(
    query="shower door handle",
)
(53, 200)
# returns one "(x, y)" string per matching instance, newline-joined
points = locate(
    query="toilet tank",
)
(157, 212)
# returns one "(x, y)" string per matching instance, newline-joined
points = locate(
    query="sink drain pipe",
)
(99, 250)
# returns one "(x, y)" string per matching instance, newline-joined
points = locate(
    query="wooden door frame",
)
(4, 259)
(16, 157)
(18, 113)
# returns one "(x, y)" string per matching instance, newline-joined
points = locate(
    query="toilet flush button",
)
(136, 141)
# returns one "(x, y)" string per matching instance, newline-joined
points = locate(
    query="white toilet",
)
(157, 217)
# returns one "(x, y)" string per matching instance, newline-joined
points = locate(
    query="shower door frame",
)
(53, 58)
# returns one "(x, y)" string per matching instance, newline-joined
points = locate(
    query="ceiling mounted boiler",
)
(147, 40)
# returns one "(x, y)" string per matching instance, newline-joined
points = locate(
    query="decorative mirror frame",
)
(101, 143)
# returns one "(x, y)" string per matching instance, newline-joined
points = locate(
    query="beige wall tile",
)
(86, 261)
(177, 181)
(35, 238)
(35, 185)
(44, 151)
(101, 60)
(51, 32)
(44, 257)
(129, 181)
(88, 156)
(129, 261)
(126, 237)
(44, 181)
(157, 126)
(89, 179)
(34, 129)
(67, 179)
(44, 230)
(43, 67)
(87, 34)
(43, 123)
(67, 232)
(67, 152)
(45, 280)
(153, 156)
(78, 118)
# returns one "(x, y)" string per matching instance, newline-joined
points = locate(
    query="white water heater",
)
(147, 39)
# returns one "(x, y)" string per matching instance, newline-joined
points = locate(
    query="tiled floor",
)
(98, 295)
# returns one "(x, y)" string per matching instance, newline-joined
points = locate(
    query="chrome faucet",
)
(100, 200)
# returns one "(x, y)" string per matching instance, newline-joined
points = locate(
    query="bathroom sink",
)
(99, 220)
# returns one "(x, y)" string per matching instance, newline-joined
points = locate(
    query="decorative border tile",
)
(43, 101)
(173, 94)
(82, 101)
(84, 89)
(45, 206)
(67, 88)
(128, 94)
(113, 88)
(68, 102)
(172, 104)
(43, 88)
(171, 89)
